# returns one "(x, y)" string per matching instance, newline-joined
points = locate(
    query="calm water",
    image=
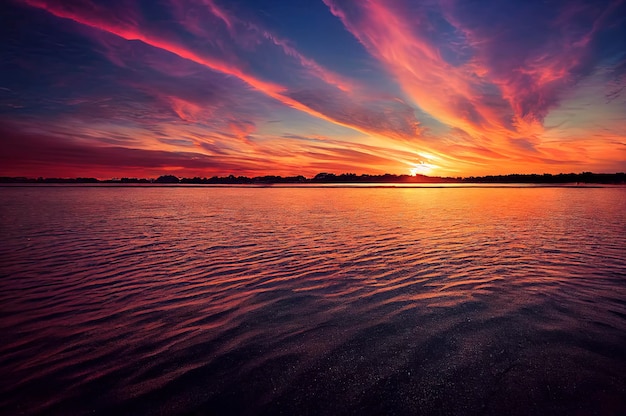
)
(461, 301)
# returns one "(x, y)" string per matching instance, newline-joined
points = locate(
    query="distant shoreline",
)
(317, 186)
(344, 180)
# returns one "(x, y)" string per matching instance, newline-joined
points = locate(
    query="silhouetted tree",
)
(167, 179)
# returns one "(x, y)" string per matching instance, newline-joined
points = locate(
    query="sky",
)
(142, 88)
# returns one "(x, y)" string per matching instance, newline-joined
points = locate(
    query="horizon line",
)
(327, 177)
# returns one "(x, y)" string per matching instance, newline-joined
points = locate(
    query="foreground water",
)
(463, 301)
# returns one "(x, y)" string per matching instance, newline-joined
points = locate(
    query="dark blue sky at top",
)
(311, 27)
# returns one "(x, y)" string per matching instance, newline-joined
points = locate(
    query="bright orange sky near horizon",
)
(208, 87)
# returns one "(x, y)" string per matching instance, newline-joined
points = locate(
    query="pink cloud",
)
(89, 15)
(502, 87)
(446, 92)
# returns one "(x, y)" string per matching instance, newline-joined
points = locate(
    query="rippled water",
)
(229, 301)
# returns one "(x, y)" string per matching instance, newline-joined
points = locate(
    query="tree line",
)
(321, 178)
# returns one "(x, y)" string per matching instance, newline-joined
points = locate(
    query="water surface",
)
(447, 301)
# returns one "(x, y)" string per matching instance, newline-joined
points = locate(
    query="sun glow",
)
(421, 168)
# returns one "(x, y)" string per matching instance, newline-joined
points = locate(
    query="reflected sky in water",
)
(313, 301)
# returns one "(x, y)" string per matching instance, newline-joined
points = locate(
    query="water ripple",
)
(310, 301)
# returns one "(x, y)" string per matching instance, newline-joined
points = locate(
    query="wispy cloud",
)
(497, 76)
(217, 57)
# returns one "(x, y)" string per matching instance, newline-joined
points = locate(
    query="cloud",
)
(401, 39)
(217, 56)
(496, 75)
(534, 65)
(250, 36)
(34, 151)
(390, 119)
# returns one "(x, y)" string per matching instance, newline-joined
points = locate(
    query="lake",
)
(319, 301)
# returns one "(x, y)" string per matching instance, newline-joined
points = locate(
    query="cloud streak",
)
(91, 15)
(498, 78)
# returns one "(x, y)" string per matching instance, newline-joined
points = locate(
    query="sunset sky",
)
(112, 88)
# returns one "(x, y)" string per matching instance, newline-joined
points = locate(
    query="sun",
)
(421, 168)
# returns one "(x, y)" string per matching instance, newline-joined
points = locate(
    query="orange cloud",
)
(497, 94)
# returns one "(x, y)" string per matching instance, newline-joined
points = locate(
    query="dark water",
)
(464, 301)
